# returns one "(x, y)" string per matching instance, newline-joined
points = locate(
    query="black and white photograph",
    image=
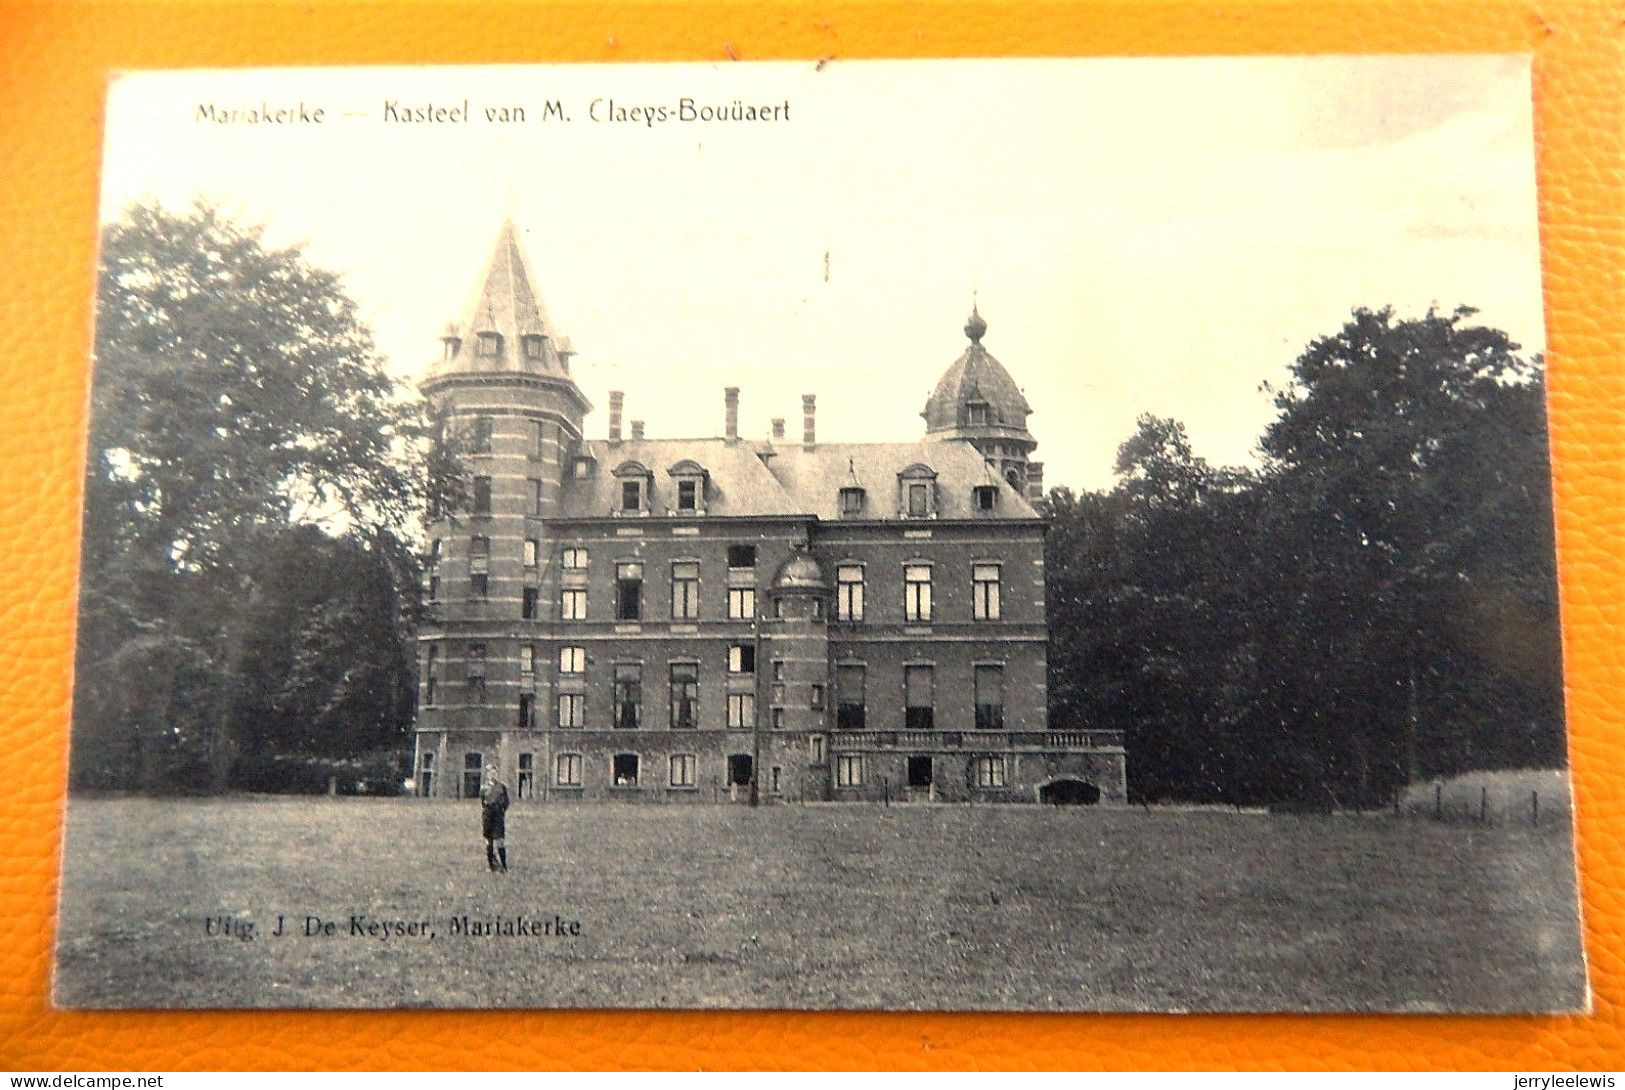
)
(1030, 535)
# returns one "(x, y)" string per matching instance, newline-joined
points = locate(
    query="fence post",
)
(1483, 805)
(1534, 808)
(885, 786)
(1438, 801)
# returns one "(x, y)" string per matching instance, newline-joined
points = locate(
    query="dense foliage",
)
(1377, 603)
(251, 469)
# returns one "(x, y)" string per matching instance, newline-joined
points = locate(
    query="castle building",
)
(726, 618)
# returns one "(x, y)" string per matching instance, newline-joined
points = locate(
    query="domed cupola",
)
(800, 574)
(977, 401)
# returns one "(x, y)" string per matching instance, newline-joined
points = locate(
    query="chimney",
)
(807, 433)
(730, 398)
(637, 429)
(778, 427)
(616, 398)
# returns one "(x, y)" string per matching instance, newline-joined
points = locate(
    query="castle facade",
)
(729, 618)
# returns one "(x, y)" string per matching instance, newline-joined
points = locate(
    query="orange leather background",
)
(54, 61)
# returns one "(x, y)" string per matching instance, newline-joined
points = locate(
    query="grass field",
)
(819, 906)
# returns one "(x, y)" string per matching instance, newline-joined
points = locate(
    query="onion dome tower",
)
(977, 401)
(512, 415)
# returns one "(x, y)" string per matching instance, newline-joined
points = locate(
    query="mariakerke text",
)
(382, 929)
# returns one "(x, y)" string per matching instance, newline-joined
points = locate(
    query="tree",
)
(1376, 604)
(236, 392)
(1406, 490)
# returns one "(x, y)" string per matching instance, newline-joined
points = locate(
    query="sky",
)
(1141, 235)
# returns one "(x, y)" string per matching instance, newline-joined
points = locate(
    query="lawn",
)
(910, 907)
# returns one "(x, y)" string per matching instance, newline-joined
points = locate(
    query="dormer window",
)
(978, 414)
(986, 496)
(535, 346)
(452, 345)
(917, 492)
(584, 466)
(689, 481)
(852, 500)
(490, 345)
(632, 495)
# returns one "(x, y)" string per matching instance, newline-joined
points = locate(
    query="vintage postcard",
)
(984, 535)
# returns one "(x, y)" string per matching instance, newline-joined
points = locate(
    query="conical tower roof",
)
(976, 378)
(509, 308)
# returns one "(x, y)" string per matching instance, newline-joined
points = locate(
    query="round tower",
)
(978, 402)
(511, 413)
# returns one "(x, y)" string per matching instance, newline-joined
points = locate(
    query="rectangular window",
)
(741, 603)
(741, 556)
(473, 769)
(572, 660)
(990, 771)
(479, 555)
(573, 559)
(919, 501)
(567, 770)
(628, 695)
(631, 495)
(685, 695)
(628, 591)
(919, 697)
(533, 552)
(917, 592)
(535, 496)
(479, 585)
(741, 658)
(480, 440)
(849, 708)
(851, 501)
(482, 495)
(434, 587)
(819, 748)
(527, 775)
(540, 449)
(528, 598)
(623, 770)
(741, 710)
(773, 780)
(431, 679)
(527, 664)
(985, 598)
(849, 770)
(849, 592)
(426, 773)
(986, 496)
(685, 590)
(572, 604)
(527, 713)
(688, 495)
(815, 700)
(778, 718)
(683, 766)
(988, 683)
(572, 710)
(976, 414)
(476, 661)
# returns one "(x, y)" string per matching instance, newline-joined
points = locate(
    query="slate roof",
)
(737, 481)
(793, 481)
(509, 304)
(975, 376)
(814, 478)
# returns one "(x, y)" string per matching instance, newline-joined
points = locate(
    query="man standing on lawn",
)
(493, 818)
